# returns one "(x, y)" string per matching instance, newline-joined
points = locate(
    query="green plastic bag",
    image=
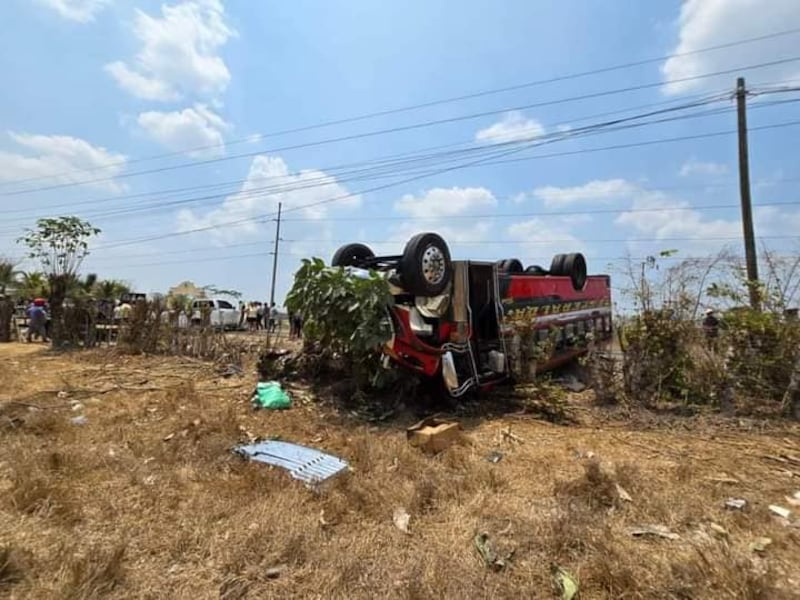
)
(270, 395)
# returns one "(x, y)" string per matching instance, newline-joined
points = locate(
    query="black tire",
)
(511, 265)
(575, 268)
(535, 270)
(351, 254)
(425, 265)
(557, 265)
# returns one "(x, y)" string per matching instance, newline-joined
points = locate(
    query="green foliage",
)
(213, 290)
(764, 347)
(110, 289)
(33, 284)
(344, 314)
(8, 276)
(60, 244)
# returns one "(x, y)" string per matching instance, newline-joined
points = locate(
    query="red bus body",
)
(473, 336)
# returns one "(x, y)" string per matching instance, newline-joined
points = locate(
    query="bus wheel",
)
(425, 265)
(570, 265)
(351, 254)
(511, 265)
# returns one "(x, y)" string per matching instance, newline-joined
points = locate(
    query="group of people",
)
(38, 316)
(258, 316)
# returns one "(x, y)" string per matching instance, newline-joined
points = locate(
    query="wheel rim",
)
(433, 265)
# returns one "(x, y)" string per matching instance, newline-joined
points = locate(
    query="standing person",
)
(252, 316)
(273, 318)
(298, 326)
(37, 320)
(259, 316)
(711, 327)
(242, 311)
(290, 317)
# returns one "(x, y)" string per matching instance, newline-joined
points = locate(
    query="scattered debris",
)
(271, 396)
(61, 395)
(735, 503)
(306, 464)
(76, 406)
(794, 499)
(401, 519)
(718, 529)
(723, 479)
(780, 511)
(168, 437)
(654, 530)
(760, 544)
(623, 495)
(494, 457)
(322, 521)
(566, 583)
(227, 371)
(275, 572)
(571, 383)
(433, 435)
(394, 466)
(505, 530)
(488, 554)
(79, 420)
(505, 434)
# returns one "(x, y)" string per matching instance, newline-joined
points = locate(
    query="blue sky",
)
(116, 104)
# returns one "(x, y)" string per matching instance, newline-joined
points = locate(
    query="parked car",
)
(478, 323)
(219, 314)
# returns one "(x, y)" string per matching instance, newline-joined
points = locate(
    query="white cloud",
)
(552, 236)
(62, 159)
(514, 126)
(697, 167)
(196, 127)
(599, 190)
(445, 202)
(179, 54)
(706, 23)
(82, 11)
(269, 182)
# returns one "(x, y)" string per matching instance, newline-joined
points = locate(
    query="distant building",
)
(187, 288)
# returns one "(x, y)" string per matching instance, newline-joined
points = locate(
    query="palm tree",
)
(8, 279)
(33, 284)
(110, 289)
(8, 276)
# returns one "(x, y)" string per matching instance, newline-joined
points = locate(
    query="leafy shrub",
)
(344, 315)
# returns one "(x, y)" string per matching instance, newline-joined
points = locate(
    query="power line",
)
(403, 128)
(381, 161)
(376, 188)
(438, 102)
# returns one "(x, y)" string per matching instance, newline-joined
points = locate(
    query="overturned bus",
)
(477, 323)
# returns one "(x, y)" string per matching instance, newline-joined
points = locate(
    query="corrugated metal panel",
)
(306, 464)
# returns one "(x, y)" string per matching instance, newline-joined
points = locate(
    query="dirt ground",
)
(146, 500)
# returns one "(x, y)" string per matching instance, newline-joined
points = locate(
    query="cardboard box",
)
(433, 435)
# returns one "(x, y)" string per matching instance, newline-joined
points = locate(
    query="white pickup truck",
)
(219, 314)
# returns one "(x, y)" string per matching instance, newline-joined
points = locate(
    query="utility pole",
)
(275, 256)
(744, 191)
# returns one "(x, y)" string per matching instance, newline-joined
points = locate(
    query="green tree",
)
(8, 281)
(344, 314)
(32, 284)
(111, 289)
(60, 244)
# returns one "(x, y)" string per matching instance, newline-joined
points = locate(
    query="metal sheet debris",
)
(306, 464)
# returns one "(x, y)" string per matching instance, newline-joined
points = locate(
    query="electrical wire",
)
(403, 128)
(387, 112)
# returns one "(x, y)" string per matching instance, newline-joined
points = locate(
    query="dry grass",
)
(111, 509)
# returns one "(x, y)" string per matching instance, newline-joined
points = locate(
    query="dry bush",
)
(94, 575)
(716, 570)
(595, 489)
(12, 566)
(41, 494)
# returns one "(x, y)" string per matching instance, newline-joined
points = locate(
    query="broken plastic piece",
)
(306, 464)
(270, 395)
(566, 583)
(735, 503)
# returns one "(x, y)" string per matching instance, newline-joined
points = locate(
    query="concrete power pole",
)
(744, 191)
(275, 256)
